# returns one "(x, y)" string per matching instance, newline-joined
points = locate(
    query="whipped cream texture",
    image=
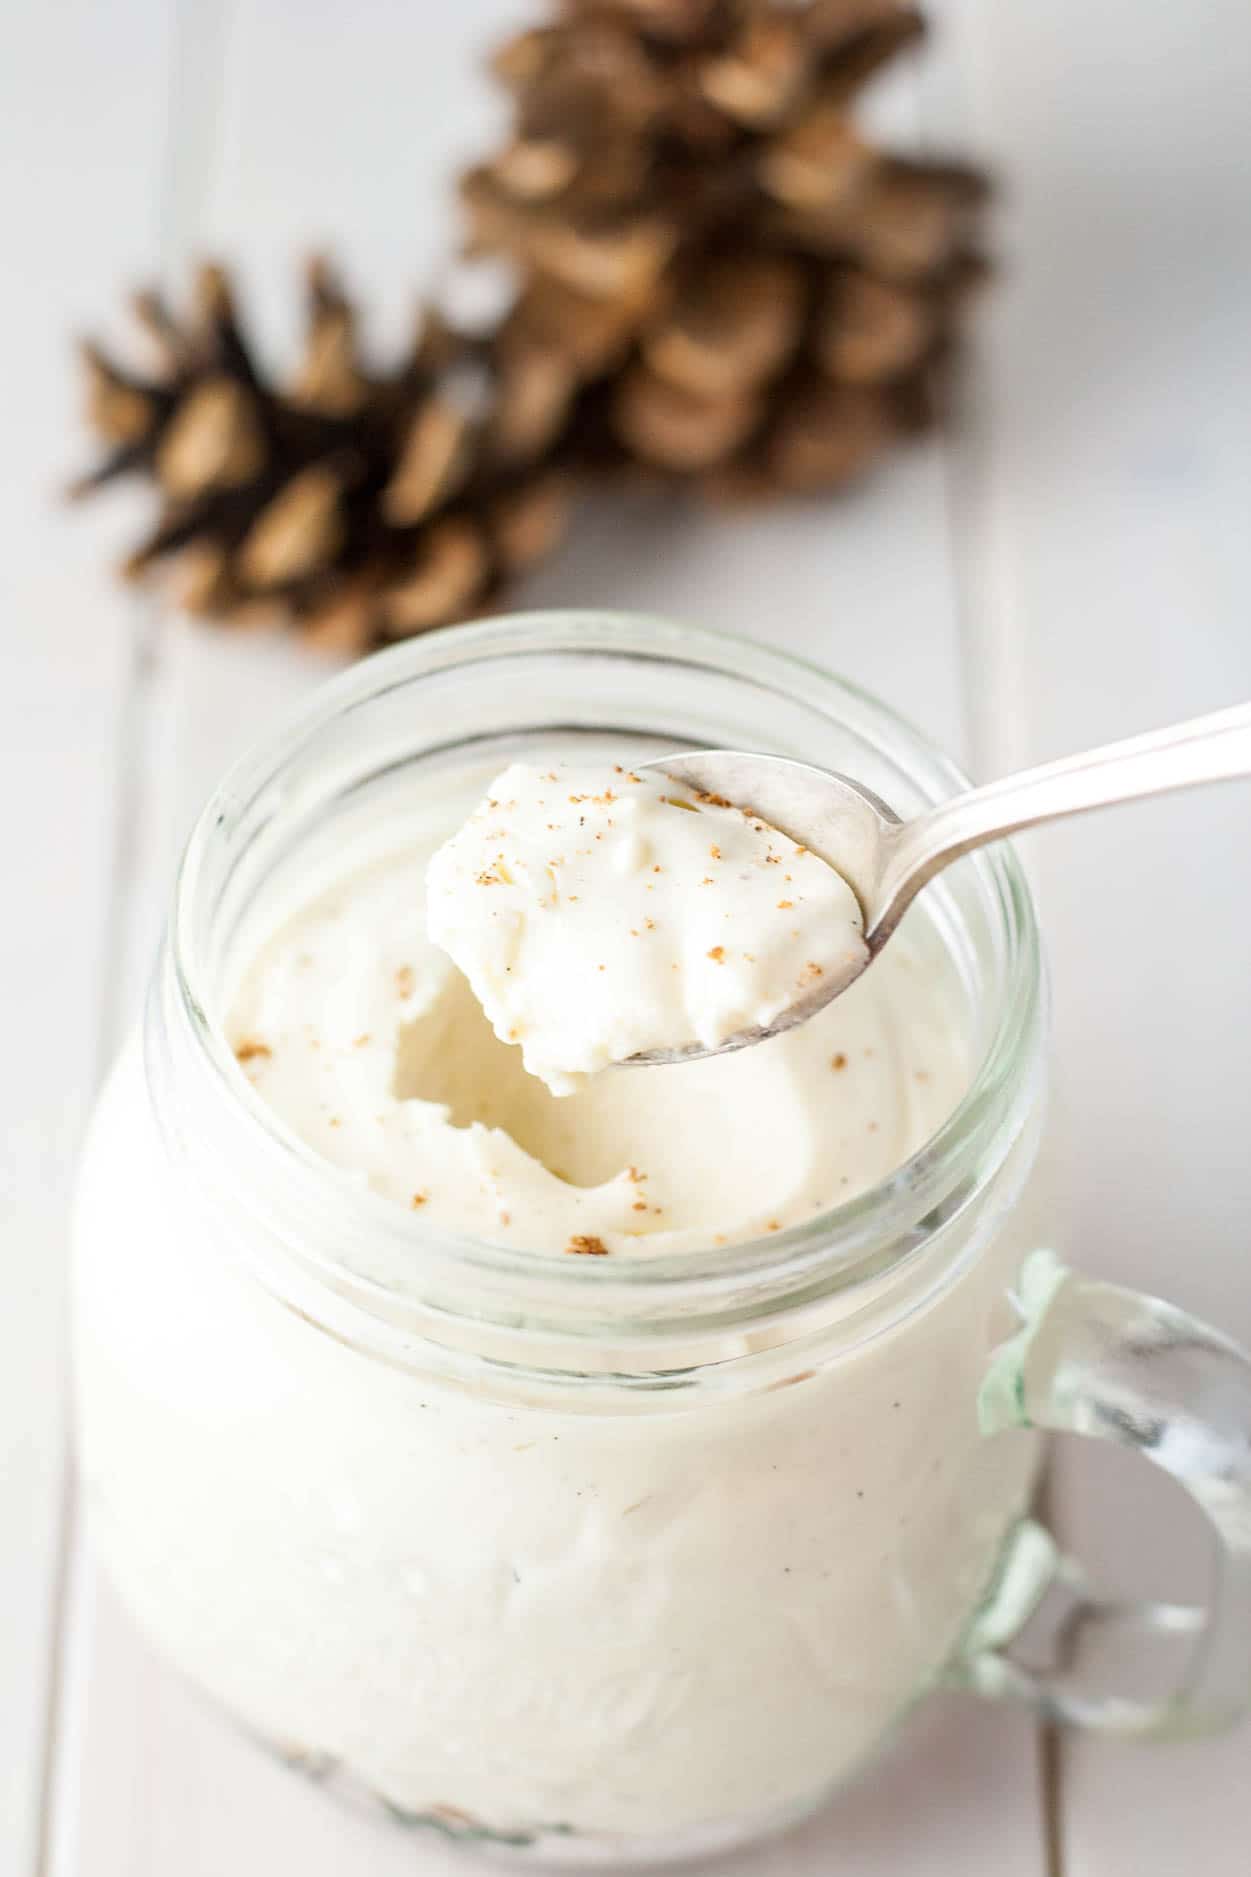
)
(601, 913)
(369, 1044)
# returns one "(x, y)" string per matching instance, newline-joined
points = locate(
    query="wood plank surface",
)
(82, 128)
(1110, 582)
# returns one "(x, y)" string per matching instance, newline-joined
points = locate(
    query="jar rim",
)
(866, 1237)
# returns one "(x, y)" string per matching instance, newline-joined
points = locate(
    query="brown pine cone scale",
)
(715, 246)
(370, 506)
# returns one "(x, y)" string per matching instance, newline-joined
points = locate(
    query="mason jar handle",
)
(1092, 1358)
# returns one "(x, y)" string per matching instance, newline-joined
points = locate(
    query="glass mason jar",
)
(600, 1558)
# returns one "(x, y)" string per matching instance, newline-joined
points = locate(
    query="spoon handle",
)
(1215, 748)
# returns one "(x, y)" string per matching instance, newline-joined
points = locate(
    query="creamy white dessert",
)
(364, 1037)
(536, 1601)
(602, 912)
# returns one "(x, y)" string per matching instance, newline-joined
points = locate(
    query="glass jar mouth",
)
(863, 1238)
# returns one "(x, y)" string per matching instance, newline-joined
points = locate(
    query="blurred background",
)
(1069, 563)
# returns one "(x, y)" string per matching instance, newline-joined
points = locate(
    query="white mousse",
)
(601, 913)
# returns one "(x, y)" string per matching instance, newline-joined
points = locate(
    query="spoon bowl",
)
(886, 861)
(838, 820)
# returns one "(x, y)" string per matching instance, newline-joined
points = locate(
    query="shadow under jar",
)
(597, 1558)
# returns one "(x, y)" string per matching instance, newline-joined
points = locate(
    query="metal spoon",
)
(887, 861)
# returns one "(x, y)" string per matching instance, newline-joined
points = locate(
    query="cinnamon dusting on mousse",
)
(587, 1245)
(569, 959)
(250, 1050)
(436, 1111)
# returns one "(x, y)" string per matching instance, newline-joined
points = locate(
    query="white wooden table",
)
(1078, 566)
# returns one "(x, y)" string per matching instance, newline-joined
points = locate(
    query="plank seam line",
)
(129, 769)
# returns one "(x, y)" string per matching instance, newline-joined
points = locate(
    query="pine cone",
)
(751, 294)
(718, 278)
(361, 507)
